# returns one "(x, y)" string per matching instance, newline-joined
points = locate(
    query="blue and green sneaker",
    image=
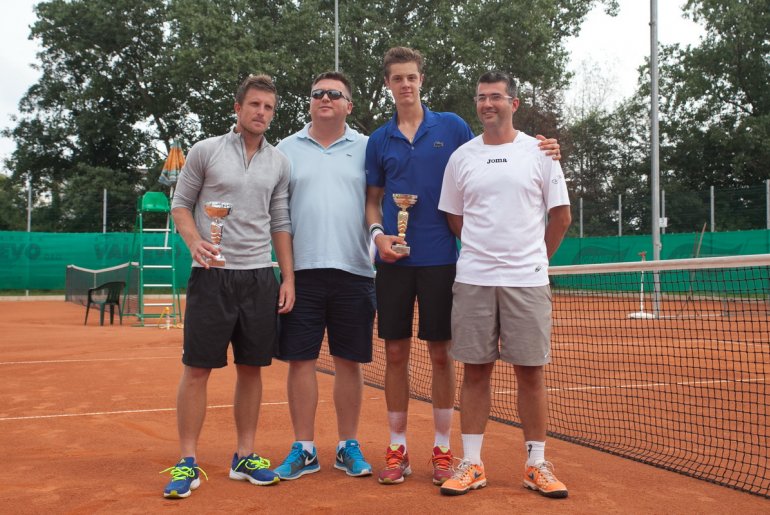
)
(254, 469)
(185, 477)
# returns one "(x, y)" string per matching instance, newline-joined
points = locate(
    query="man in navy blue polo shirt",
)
(408, 155)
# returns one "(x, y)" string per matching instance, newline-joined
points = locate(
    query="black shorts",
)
(223, 306)
(341, 303)
(398, 287)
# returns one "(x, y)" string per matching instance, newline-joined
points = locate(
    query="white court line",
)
(82, 360)
(646, 385)
(123, 412)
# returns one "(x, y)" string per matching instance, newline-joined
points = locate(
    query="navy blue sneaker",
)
(351, 460)
(185, 477)
(254, 469)
(298, 463)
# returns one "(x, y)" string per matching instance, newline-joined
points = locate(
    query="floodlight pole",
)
(336, 36)
(29, 224)
(655, 150)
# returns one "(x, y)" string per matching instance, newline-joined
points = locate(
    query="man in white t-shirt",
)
(497, 190)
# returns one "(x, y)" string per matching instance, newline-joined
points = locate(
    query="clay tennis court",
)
(87, 421)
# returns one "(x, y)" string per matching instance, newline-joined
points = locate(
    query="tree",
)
(11, 206)
(121, 78)
(716, 104)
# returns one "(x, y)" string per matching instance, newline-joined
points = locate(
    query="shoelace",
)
(180, 473)
(295, 454)
(462, 470)
(546, 471)
(393, 459)
(353, 453)
(442, 461)
(253, 463)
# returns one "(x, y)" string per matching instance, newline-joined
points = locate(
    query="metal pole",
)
(29, 203)
(581, 216)
(663, 209)
(767, 204)
(711, 195)
(655, 150)
(29, 224)
(620, 215)
(104, 213)
(336, 35)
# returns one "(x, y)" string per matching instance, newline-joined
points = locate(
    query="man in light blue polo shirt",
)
(334, 278)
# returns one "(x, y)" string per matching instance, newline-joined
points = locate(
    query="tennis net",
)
(79, 280)
(665, 362)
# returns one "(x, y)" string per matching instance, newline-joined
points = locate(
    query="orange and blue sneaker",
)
(467, 476)
(185, 477)
(442, 464)
(254, 469)
(351, 460)
(396, 465)
(539, 477)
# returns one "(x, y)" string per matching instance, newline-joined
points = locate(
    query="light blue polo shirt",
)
(417, 167)
(327, 195)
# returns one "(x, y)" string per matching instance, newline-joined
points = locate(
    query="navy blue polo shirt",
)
(417, 168)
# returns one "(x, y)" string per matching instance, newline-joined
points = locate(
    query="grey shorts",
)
(496, 322)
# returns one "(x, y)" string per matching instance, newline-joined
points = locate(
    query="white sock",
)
(442, 420)
(307, 445)
(397, 424)
(472, 448)
(535, 452)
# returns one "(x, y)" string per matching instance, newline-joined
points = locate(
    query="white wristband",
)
(376, 232)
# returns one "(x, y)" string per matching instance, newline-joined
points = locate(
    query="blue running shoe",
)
(254, 469)
(185, 477)
(351, 460)
(298, 463)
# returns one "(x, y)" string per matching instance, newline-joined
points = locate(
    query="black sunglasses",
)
(334, 94)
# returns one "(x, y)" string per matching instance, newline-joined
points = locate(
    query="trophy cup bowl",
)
(217, 211)
(404, 201)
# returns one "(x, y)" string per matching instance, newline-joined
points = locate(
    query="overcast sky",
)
(617, 45)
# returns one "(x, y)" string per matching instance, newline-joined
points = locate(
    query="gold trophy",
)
(217, 211)
(404, 201)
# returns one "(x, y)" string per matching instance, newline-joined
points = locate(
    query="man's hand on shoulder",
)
(550, 146)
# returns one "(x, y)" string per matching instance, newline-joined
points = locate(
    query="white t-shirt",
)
(503, 193)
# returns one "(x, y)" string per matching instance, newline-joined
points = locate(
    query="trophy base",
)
(217, 262)
(399, 248)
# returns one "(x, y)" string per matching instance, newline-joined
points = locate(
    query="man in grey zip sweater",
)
(236, 303)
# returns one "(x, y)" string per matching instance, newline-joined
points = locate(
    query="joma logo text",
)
(503, 160)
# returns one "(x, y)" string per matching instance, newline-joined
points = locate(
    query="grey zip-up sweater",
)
(216, 170)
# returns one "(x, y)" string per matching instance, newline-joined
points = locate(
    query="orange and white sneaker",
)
(442, 464)
(467, 476)
(396, 465)
(541, 479)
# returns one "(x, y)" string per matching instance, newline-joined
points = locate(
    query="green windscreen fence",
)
(619, 249)
(38, 260)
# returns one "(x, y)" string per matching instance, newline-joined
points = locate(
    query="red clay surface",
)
(87, 421)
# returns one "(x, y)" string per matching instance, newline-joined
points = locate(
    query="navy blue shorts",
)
(223, 306)
(398, 287)
(341, 303)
